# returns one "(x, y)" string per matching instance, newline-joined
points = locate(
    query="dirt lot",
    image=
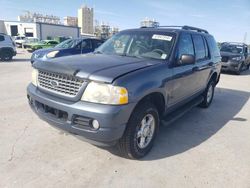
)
(205, 148)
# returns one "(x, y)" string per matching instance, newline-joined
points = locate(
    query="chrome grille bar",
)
(58, 83)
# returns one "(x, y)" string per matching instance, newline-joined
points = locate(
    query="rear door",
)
(203, 60)
(184, 81)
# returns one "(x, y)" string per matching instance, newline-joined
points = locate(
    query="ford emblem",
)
(54, 83)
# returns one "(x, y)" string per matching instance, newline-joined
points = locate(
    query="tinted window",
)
(86, 44)
(185, 46)
(206, 48)
(97, 43)
(200, 52)
(214, 50)
(1, 38)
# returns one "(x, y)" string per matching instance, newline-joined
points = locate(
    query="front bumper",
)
(230, 66)
(112, 119)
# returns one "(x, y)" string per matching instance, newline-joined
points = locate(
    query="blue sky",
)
(227, 20)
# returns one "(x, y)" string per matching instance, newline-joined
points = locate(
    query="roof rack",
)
(185, 27)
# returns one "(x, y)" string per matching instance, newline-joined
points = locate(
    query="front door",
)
(184, 82)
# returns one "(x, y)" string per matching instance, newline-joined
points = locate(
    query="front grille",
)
(224, 59)
(62, 84)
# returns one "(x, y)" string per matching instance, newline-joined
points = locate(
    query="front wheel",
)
(238, 72)
(208, 95)
(141, 131)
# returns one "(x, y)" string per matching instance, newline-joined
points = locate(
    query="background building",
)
(39, 30)
(149, 23)
(104, 30)
(70, 21)
(2, 27)
(85, 20)
(36, 17)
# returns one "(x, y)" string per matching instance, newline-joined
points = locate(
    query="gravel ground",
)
(205, 148)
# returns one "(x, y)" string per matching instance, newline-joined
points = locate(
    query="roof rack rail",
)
(185, 27)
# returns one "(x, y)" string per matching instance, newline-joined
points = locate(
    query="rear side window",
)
(185, 46)
(200, 51)
(97, 43)
(1, 38)
(213, 47)
(86, 44)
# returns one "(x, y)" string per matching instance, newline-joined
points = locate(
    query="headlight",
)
(105, 94)
(34, 77)
(237, 58)
(52, 54)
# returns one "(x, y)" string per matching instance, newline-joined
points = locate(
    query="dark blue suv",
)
(66, 48)
(136, 81)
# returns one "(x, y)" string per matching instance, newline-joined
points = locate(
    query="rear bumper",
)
(112, 119)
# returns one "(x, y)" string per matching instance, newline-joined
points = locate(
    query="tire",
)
(6, 55)
(238, 72)
(208, 95)
(131, 144)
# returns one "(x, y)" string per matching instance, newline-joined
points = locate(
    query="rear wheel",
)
(141, 131)
(208, 95)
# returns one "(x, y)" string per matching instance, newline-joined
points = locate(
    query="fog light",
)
(95, 124)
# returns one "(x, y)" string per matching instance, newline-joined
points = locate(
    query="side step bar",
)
(173, 116)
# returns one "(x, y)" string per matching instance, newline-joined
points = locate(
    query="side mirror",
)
(186, 59)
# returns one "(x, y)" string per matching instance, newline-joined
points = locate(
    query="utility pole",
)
(245, 38)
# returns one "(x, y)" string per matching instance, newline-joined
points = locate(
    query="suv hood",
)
(96, 67)
(44, 51)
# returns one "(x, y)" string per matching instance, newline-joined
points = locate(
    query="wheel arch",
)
(157, 98)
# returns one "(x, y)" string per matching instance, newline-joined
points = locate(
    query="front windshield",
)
(231, 48)
(141, 44)
(70, 43)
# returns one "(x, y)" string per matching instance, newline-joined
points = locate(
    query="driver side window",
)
(185, 46)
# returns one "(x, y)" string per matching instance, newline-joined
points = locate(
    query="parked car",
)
(19, 40)
(68, 47)
(29, 41)
(235, 57)
(41, 45)
(7, 47)
(119, 94)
